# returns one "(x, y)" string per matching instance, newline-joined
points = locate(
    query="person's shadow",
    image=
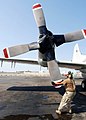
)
(79, 102)
(37, 117)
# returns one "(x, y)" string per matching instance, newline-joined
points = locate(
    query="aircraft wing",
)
(64, 64)
(23, 61)
(71, 65)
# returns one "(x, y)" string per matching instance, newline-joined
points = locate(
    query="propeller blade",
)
(20, 49)
(73, 36)
(69, 37)
(39, 18)
(54, 73)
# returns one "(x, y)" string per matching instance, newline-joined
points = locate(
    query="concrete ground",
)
(30, 96)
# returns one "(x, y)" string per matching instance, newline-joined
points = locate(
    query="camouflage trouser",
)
(65, 104)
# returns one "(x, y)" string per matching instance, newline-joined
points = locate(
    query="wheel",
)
(83, 84)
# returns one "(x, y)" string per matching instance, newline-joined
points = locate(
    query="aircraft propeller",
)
(46, 44)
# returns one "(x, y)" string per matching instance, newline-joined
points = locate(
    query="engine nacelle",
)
(84, 75)
(83, 70)
(42, 63)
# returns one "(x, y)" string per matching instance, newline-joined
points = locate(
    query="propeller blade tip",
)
(6, 53)
(36, 6)
(84, 32)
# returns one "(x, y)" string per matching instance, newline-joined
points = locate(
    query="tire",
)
(83, 85)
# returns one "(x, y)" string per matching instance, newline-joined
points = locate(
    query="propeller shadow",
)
(42, 88)
(37, 88)
(79, 103)
(26, 117)
(39, 117)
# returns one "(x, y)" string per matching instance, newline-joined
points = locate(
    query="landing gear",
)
(83, 84)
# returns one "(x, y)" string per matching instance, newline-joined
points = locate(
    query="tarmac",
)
(30, 96)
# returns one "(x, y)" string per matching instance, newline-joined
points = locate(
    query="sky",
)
(17, 26)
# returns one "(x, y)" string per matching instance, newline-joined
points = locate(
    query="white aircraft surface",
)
(78, 63)
(45, 45)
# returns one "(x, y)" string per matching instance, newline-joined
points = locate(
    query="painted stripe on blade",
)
(58, 86)
(36, 6)
(6, 53)
(84, 33)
